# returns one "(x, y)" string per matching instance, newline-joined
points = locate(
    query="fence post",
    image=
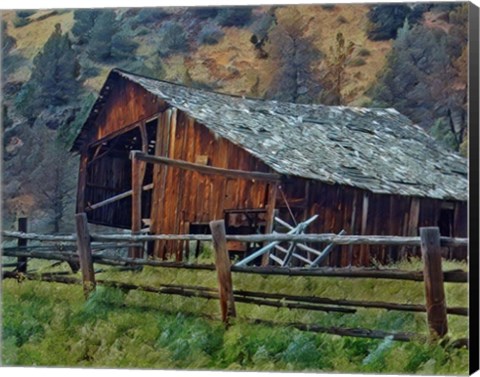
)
(433, 277)
(22, 261)
(85, 254)
(224, 274)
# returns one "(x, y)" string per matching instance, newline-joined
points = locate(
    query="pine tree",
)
(296, 59)
(421, 80)
(334, 77)
(105, 27)
(8, 42)
(53, 81)
(84, 22)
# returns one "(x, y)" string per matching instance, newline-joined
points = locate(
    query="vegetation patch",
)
(49, 324)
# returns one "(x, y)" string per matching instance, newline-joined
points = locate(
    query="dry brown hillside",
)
(232, 65)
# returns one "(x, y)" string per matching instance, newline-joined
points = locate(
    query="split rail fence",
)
(82, 250)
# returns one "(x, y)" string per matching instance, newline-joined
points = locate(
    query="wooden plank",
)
(224, 275)
(272, 196)
(137, 181)
(229, 173)
(364, 250)
(433, 278)
(309, 237)
(21, 242)
(160, 181)
(116, 198)
(352, 226)
(85, 254)
(413, 221)
(460, 229)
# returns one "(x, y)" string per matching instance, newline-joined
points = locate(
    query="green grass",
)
(48, 324)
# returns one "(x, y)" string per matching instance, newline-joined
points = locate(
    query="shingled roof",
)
(378, 150)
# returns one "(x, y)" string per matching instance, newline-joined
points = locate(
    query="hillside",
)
(330, 54)
(231, 64)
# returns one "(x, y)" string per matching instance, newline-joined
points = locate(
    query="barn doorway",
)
(109, 174)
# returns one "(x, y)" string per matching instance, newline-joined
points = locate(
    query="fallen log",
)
(454, 276)
(353, 303)
(341, 331)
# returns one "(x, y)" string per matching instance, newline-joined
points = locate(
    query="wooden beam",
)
(223, 266)
(85, 254)
(433, 277)
(309, 237)
(228, 173)
(270, 216)
(450, 276)
(137, 181)
(22, 261)
(116, 198)
(124, 129)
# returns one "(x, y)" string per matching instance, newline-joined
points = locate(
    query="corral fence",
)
(82, 250)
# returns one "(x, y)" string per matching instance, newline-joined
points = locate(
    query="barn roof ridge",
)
(326, 143)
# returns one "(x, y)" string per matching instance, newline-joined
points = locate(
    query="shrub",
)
(122, 46)
(173, 38)
(342, 20)
(385, 20)
(24, 13)
(149, 15)
(357, 62)
(19, 22)
(88, 69)
(210, 35)
(204, 13)
(234, 16)
(328, 6)
(364, 52)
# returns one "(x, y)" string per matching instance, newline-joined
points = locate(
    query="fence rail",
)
(310, 237)
(88, 247)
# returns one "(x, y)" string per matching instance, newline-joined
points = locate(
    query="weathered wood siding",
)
(181, 197)
(129, 105)
(360, 212)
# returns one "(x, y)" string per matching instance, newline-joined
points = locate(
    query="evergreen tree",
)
(421, 81)
(105, 27)
(84, 22)
(334, 77)
(296, 57)
(385, 20)
(53, 81)
(8, 42)
(174, 38)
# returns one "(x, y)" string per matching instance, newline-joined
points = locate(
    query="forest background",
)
(411, 56)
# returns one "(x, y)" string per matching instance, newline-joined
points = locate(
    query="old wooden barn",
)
(365, 171)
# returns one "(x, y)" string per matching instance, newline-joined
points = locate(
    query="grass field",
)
(49, 324)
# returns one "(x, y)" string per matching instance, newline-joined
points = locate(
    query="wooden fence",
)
(82, 249)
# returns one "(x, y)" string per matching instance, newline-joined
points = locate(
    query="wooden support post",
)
(222, 264)
(137, 182)
(433, 277)
(85, 254)
(82, 181)
(270, 217)
(22, 261)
